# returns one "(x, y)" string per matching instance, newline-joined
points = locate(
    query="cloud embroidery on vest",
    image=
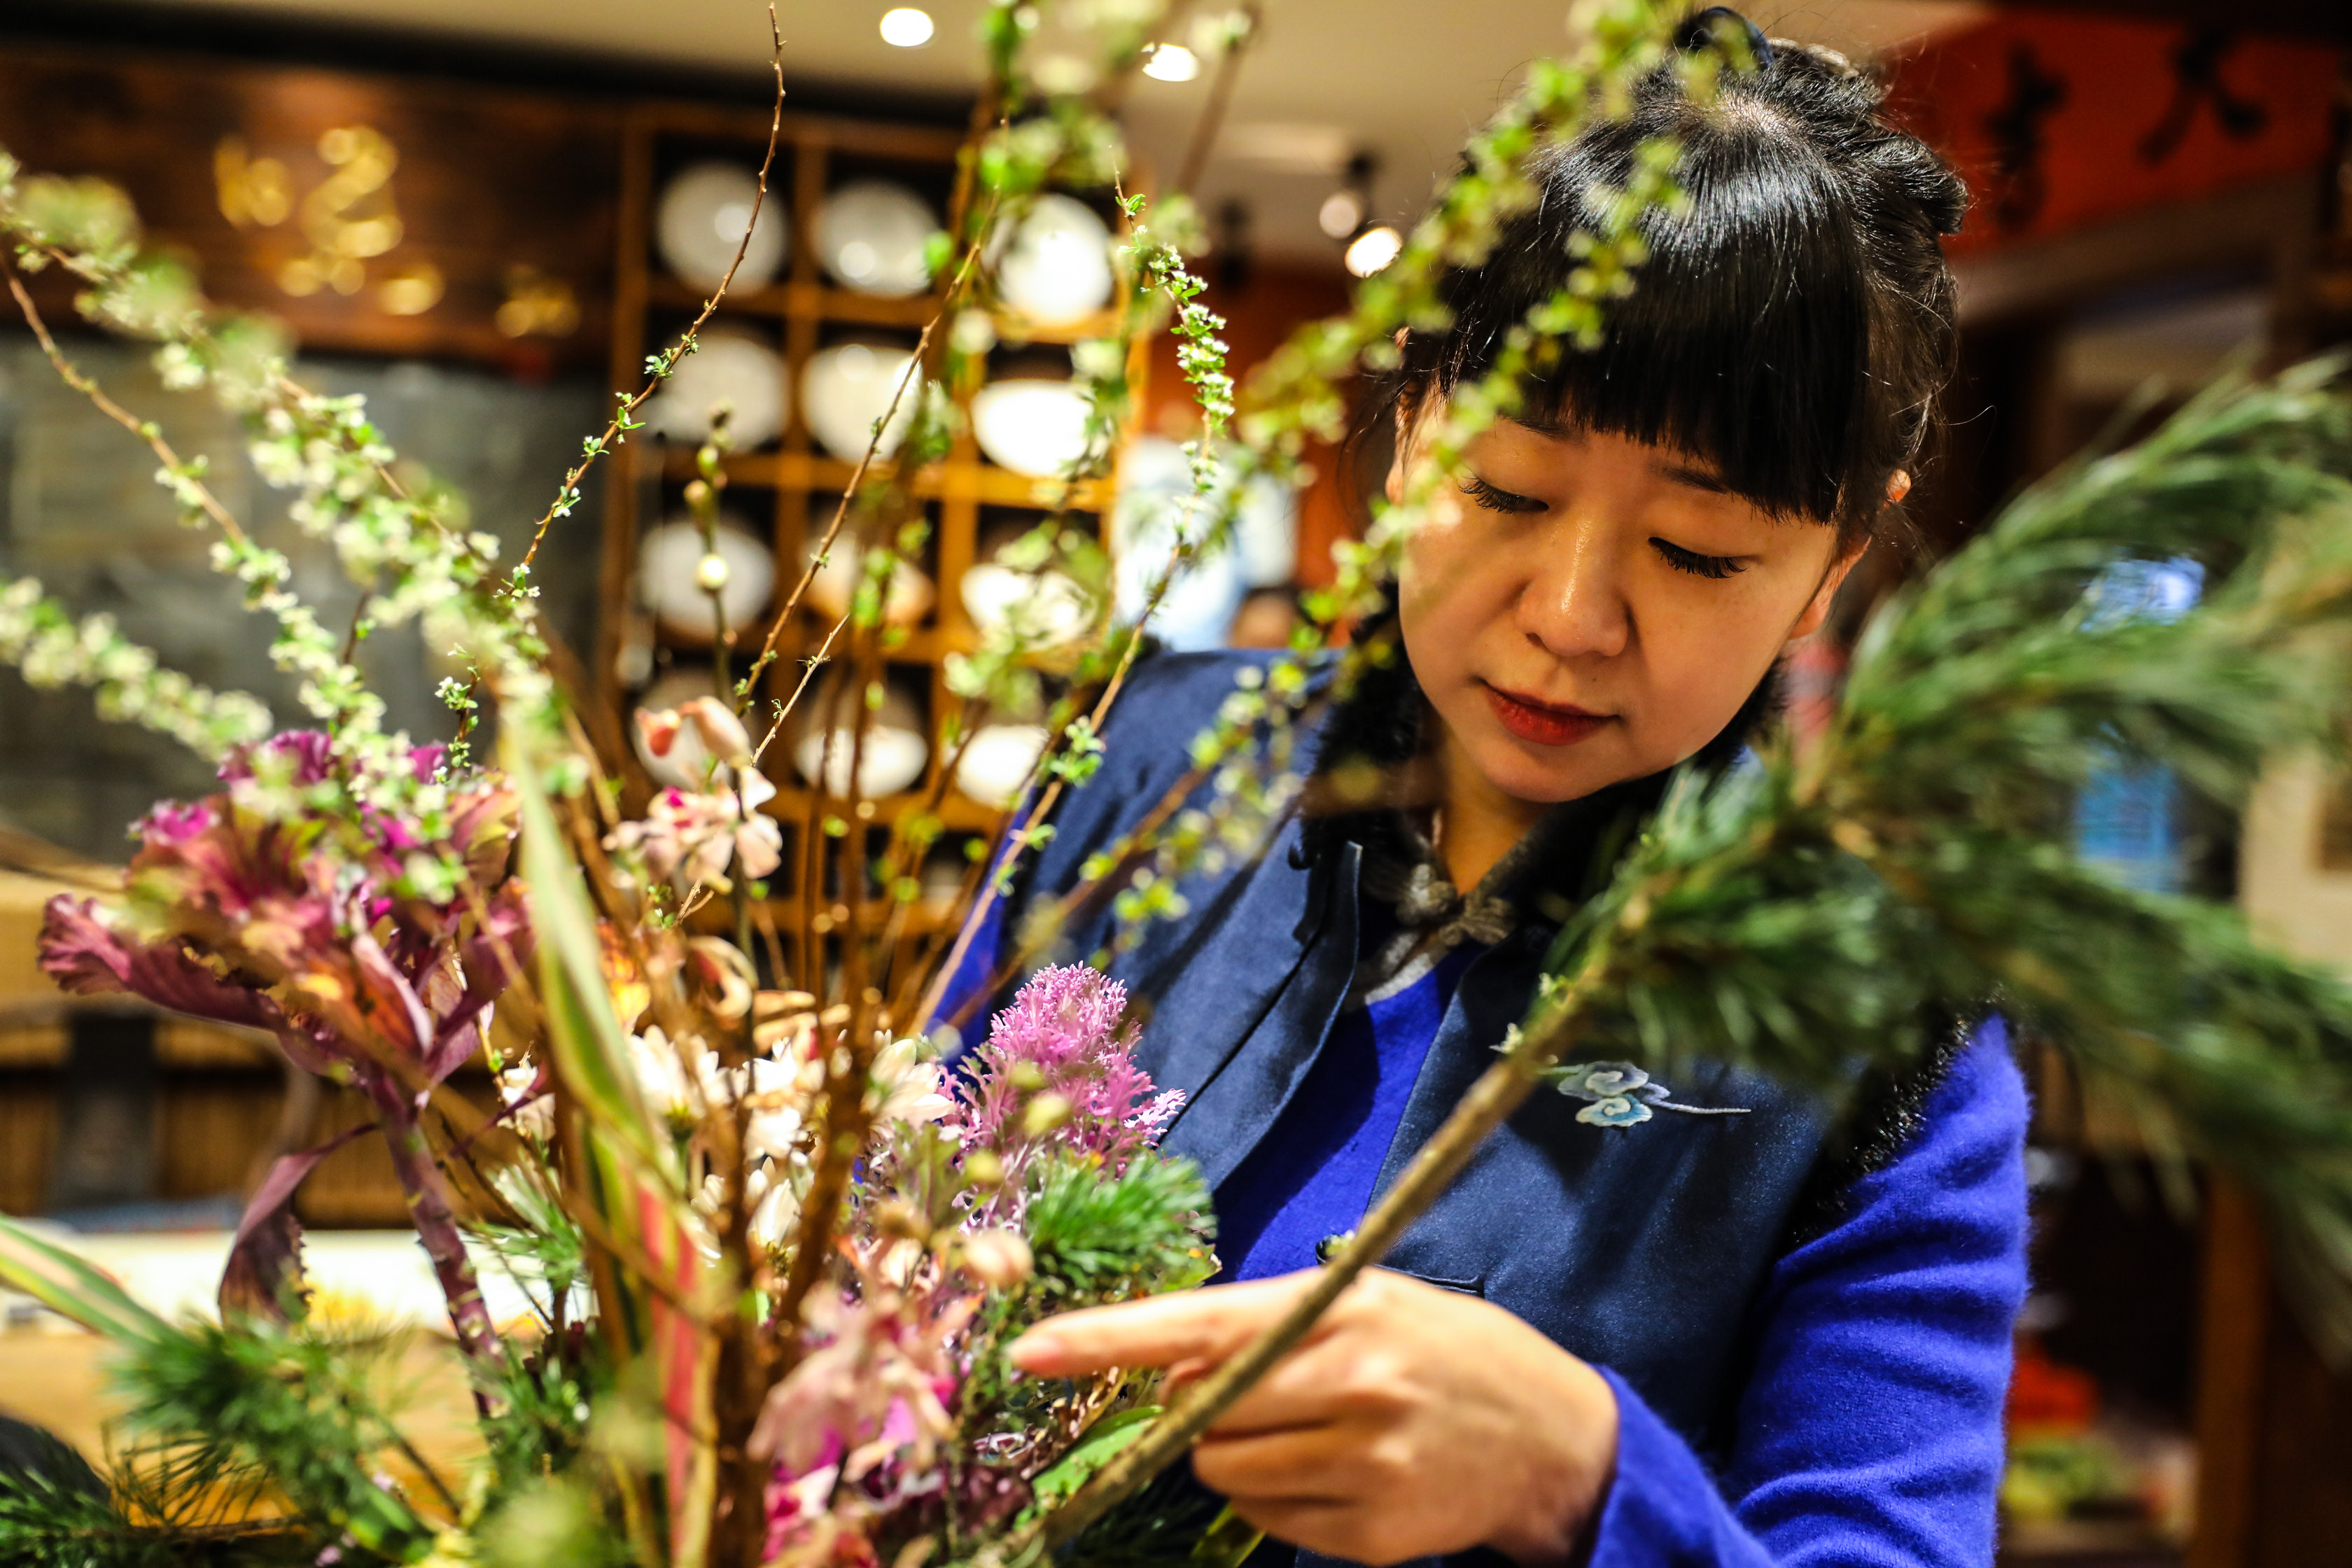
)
(1622, 1095)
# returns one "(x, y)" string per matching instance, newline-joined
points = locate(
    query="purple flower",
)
(1067, 1037)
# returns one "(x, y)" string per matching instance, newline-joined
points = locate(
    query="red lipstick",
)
(1542, 723)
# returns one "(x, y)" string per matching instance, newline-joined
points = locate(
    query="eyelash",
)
(1502, 500)
(1717, 567)
(1712, 567)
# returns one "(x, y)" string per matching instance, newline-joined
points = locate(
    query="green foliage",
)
(1145, 1231)
(551, 1522)
(302, 1408)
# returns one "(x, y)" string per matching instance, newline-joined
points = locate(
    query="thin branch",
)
(146, 430)
(617, 427)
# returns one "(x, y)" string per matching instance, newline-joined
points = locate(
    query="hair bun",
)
(1698, 30)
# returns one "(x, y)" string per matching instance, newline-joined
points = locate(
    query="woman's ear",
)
(1898, 485)
(1817, 609)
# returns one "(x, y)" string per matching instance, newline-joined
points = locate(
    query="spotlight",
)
(1373, 250)
(1172, 62)
(906, 27)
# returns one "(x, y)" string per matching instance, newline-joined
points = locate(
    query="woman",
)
(1726, 1324)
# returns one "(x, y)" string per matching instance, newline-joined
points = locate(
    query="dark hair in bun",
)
(1793, 326)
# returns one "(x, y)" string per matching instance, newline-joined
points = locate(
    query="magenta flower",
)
(327, 925)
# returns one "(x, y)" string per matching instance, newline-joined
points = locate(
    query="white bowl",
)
(1044, 609)
(997, 762)
(910, 594)
(1056, 267)
(1197, 611)
(704, 211)
(895, 754)
(733, 367)
(844, 389)
(870, 237)
(670, 559)
(1033, 427)
(687, 766)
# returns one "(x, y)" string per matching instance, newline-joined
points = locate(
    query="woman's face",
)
(1582, 609)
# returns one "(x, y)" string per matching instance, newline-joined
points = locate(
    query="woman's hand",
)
(1411, 1420)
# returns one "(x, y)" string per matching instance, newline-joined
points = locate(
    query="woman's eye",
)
(1494, 499)
(1697, 566)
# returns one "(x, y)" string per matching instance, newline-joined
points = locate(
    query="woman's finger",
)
(1191, 1325)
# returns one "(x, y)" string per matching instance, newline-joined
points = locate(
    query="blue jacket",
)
(1810, 1348)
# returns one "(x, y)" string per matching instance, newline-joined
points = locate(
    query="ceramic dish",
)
(844, 389)
(1045, 609)
(870, 237)
(704, 210)
(669, 566)
(895, 754)
(1056, 267)
(1033, 427)
(910, 596)
(997, 762)
(734, 367)
(1197, 611)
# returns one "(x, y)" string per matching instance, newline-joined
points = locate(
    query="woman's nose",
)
(1574, 602)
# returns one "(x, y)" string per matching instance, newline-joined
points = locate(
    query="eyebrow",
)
(1695, 476)
(1698, 475)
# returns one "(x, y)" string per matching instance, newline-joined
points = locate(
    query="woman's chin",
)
(1543, 774)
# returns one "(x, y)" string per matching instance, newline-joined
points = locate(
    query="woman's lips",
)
(1543, 723)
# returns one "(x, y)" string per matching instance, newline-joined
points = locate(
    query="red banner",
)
(2058, 121)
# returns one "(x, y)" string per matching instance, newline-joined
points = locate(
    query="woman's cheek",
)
(1441, 594)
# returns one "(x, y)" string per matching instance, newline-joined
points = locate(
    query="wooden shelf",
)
(951, 481)
(803, 310)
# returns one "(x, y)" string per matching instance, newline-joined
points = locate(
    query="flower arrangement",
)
(774, 1245)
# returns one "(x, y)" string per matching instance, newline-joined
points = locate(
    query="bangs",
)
(1745, 343)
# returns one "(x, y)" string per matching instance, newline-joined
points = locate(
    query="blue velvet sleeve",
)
(1870, 1433)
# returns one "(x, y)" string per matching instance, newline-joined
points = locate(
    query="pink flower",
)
(691, 838)
(1066, 1035)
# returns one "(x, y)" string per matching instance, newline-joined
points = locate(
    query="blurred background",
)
(484, 214)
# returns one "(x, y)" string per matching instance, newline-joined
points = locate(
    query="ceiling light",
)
(1343, 210)
(1373, 250)
(906, 27)
(1172, 62)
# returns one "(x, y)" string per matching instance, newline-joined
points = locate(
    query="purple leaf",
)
(264, 1275)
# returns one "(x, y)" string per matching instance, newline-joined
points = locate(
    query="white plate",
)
(688, 764)
(844, 389)
(870, 235)
(1045, 609)
(704, 211)
(731, 366)
(1056, 267)
(671, 556)
(1197, 611)
(1033, 427)
(997, 762)
(895, 754)
(829, 590)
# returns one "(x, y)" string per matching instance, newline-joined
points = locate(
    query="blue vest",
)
(1640, 1249)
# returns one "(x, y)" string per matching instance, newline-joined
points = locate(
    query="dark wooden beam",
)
(2326, 20)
